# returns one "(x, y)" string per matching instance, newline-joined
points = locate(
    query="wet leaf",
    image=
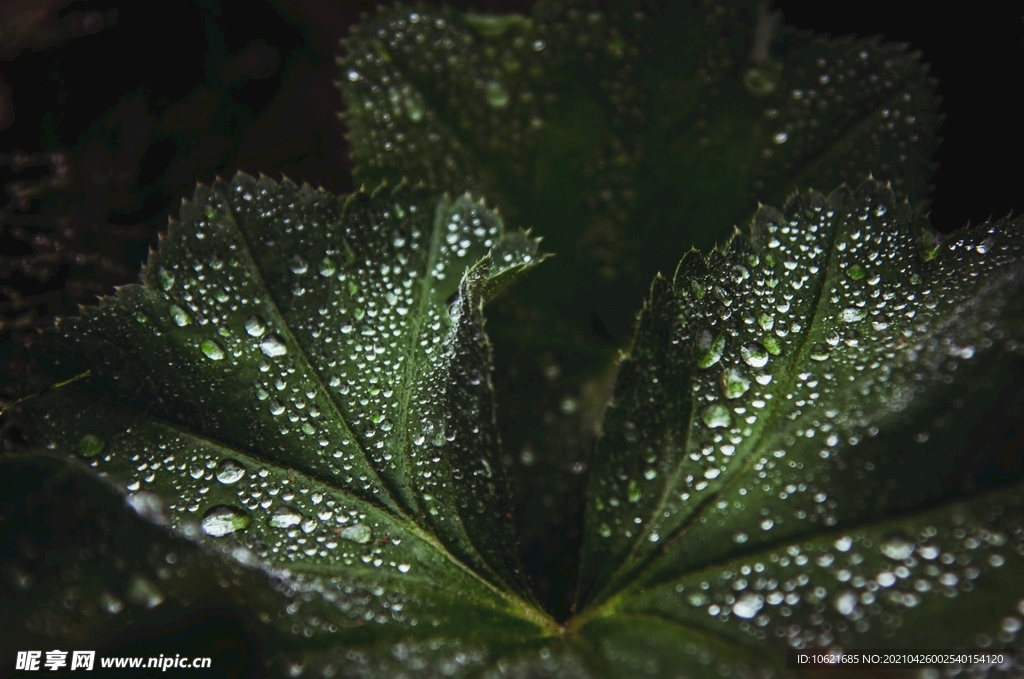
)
(623, 133)
(819, 481)
(302, 384)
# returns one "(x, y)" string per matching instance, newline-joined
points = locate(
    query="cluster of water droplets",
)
(862, 588)
(881, 90)
(304, 350)
(804, 338)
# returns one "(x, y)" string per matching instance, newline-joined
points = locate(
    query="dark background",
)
(111, 110)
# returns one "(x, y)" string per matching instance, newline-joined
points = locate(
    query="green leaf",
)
(623, 136)
(303, 384)
(790, 438)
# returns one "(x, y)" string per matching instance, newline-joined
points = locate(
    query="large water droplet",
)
(712, 353)
(748, 605)
(230, 471)
(180, 316)
(852, 315)
(716, 415)
(855, 271)
(223, 520)
(165, 278)
(327, 267)
(272, 346)
(755, 355)
(358, 532)
(734, 383)
(285, 517)
(897, 547)
(212, 350)
(819, 352)
(90, 446)
(299, 265)
(846, 602)
(255, 326)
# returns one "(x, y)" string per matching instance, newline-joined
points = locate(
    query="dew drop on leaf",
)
(819, 352)
(285, 517)
(90, 445)
(223, 520)
(212, 350)
(230, 471)
(165, 277)
(734, 383)
(713, 350)
(255, 326)
(358, 532)
(897, 547)
(273, 346)
(716, 415)
(754, 354)
(180, 316)
(633, 492)
(327, 267)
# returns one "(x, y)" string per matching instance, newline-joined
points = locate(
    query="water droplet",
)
(846, 602)
(748, 605)
(855, 271)
(604, 531)
(716, 415)
(773, 345)
(90, 446)
(755, 355)
(298, 265)
(633, 492)
(212, 350)
(272, 346)
(222, 520)
(734, 384)
(255, 326)
(357, 533)
(819, 352)
(285, 517)
(713, 350)
(230, 471)
(327, 267)
(852, 315)
(780, 137)
(180, 316)
(165, 277)
(496, 95)
(897, 547)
